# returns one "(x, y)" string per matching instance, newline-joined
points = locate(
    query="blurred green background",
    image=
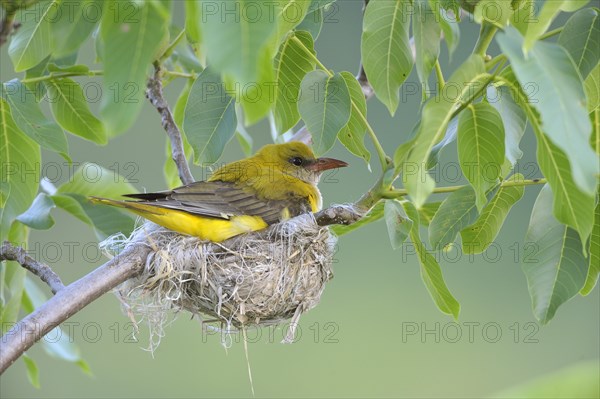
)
(366, 337)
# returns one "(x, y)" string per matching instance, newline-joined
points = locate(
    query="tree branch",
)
(68, 301)
(339, 214)
(155, 95)
(44, 272)
(74, 297)
(7, 25)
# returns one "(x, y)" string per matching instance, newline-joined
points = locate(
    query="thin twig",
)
(68, 301)
(155, 95)
(44, 272)
(398, 193)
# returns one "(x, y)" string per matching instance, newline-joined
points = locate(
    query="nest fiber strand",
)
(260, 278)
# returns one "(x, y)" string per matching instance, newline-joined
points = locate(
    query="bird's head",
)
(297, 160)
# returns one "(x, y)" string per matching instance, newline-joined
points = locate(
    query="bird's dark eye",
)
(297, 161)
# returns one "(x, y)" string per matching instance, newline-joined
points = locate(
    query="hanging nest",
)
(260, 278)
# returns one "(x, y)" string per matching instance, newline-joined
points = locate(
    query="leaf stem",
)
(59, 75)
(383, 159)
(396, 193)
(177, 74)
(439, 74)
(169, 50)
(55, 75)
(380, 151)
(486, 34)
(495, 61)
(311, 55)
(551, 33)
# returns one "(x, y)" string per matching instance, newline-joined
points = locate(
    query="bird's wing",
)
(222, 200)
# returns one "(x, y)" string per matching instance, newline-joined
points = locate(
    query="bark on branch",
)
(155, 95)
(68, 301)
(7, 24)
(44, 272)
(74, 297)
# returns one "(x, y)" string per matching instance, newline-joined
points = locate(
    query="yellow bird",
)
(277, 183)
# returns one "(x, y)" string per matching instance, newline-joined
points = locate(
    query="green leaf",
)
(62, 345)
(20, 169)
(449, 24)
(290, 13)
(35, 72)
(353, 134)
(33, 374)
(74, 23)
(572, 206)
(594, 256)
(239, 46)
(428, 211)
(559, 99)
(452, 5)
(312, 22)
(386, 54)
(426, 32)
(573, 5)
(556, 272)
(431, 272)
(480, 147)
(29, 118)
(449, 137)
(524, 14)
(106, 220)
(496, 12)
(398, 224)
(38, 215)
(374, 214)
(469, 78)
(179, 109)
(71, 110)
(70, 205)
(542, 21)
(209, 119)
(132, 36)
(193, 15)
(325, 107)
(457, 212)
(592, 89)
(513, 117)
(581, 38)
(291, 65)
(31, 42)
(478, 237)
(92, 179)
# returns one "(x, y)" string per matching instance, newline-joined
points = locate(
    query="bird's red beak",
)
(322, 164)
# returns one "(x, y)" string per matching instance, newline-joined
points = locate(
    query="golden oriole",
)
(277, 183)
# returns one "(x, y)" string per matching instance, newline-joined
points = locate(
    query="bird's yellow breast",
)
(212, 229)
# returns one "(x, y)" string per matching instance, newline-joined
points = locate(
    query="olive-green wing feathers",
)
(223, 200)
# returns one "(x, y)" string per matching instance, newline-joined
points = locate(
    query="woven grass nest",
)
(260, 278)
